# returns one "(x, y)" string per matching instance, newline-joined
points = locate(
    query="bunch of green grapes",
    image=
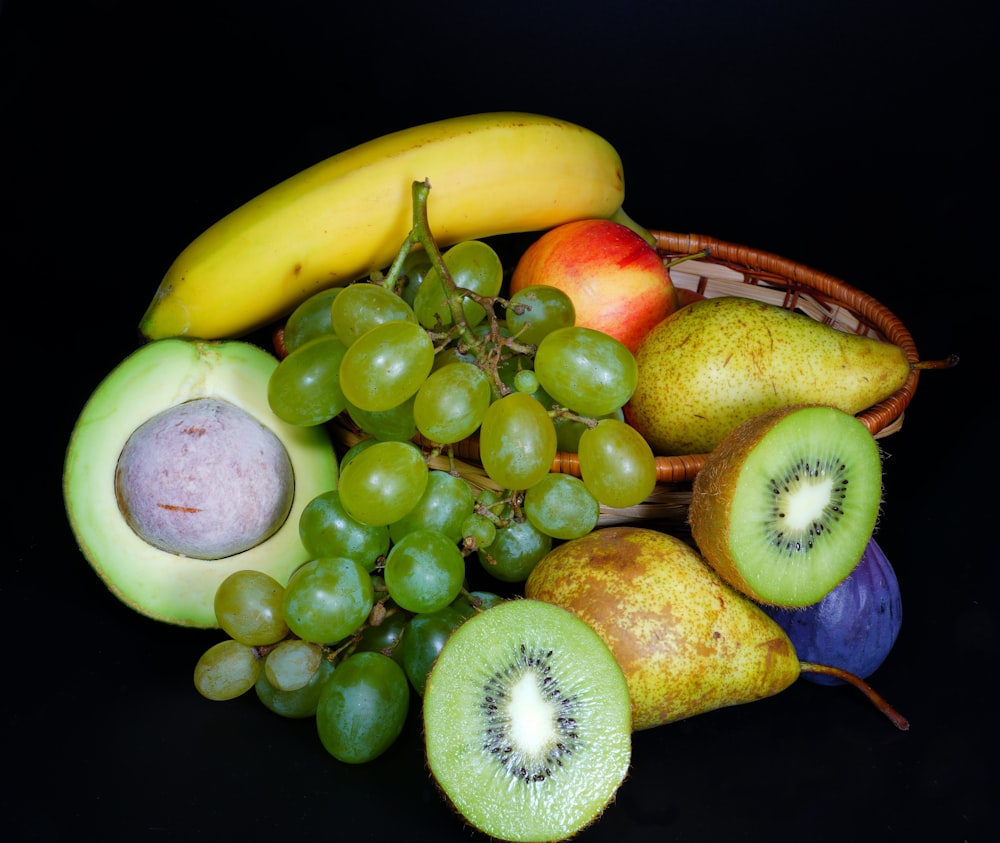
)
(435, 351)
(330, 645)
(430, 349)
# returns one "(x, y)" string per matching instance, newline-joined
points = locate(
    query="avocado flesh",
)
(162, 374)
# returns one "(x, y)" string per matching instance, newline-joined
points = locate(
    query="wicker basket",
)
(729, 269)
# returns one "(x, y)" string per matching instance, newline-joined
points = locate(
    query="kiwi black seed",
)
(784, 507)
(527, 722)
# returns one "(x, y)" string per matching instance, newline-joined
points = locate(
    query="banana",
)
(347, 216)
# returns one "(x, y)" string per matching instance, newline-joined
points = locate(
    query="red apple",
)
(615, 279)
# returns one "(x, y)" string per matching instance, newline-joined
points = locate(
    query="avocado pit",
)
(204, 479)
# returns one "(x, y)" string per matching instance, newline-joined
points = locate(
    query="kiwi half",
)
(527, 722)
(785, 505)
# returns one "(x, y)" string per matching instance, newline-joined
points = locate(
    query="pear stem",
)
(948, 362)
(880, 702)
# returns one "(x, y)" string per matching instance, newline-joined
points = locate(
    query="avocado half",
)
(161, 583)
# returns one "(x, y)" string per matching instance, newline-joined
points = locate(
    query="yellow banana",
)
(347, 216)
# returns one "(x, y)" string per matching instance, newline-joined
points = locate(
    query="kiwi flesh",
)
(784, 507)
(527, 722)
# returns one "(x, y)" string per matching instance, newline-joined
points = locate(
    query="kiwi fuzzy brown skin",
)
(824, 553)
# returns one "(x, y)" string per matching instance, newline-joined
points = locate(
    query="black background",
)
(849, 136)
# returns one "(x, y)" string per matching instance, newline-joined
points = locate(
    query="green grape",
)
(383, 483)
(586, 370)
(423, 638)
(451, 354)
(385, 637)
(415, 267)
(424, 571)
(526, 381)
(542, 397)
(362, 708)
(327, 529)
(450, 404)
(479, 529)
(561, 506)
(362, 306)
(519, 546)
(386, 365)
(569, 431)
(617, 464)
(446, 502)
(537, 310)
(508, 363)
(473, 265)
(510, 367)
(476, 601)
(310, 319)
(355, 449)
(395, 424)
(248, 608)
(327, 599)
(295, 704)
(304, 389)
(517, 441)
(491, 499)
(226, 670)
(292, 664)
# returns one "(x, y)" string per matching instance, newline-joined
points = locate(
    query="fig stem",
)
(879, 701)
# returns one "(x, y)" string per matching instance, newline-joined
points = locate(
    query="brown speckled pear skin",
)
(720, 361)
(686, 641)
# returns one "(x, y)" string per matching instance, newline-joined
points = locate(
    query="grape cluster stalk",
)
(420, 358)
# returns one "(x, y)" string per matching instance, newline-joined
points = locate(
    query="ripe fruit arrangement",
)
(371, 611)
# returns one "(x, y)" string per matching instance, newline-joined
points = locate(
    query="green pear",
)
(720, 361)
(686, 642)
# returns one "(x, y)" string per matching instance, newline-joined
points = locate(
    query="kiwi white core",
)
(532, 718)
(804, 506)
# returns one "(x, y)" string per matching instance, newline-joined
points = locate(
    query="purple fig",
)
(854, 627)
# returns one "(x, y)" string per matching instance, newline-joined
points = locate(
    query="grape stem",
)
(489, 349)
(420, 235)
(568, 415)
(475, 601)
(513, 501)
